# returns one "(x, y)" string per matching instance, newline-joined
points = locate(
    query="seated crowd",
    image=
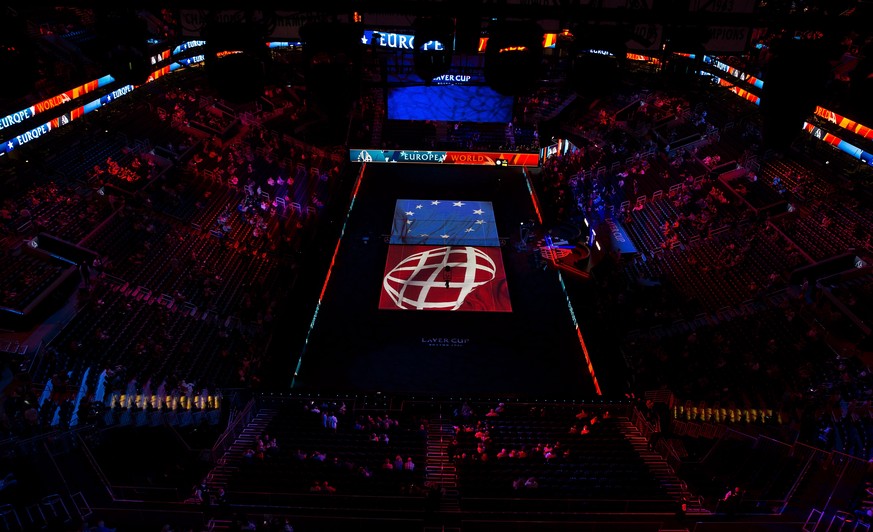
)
(183, 301)
(742, 317)
(163, 285)
(330, 448)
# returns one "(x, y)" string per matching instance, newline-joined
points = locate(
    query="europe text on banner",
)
(475, 158)
(444, 278)
(444, 222)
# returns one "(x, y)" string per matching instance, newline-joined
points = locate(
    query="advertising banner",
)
(444, 157)
(23, 115)
(846, 123)
(840, 144)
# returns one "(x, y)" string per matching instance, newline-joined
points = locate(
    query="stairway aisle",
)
(657, 465)
(439, 470)
(228, 464)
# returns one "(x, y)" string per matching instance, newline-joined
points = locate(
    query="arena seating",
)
(347, 458)
(166, 263)
(26, 277)
(197, 253)
(596, 464)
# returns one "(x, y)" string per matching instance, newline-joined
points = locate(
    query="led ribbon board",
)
(10, 144)
(23, 115)
(444, 157)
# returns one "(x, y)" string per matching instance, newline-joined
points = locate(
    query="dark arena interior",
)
(436, 266)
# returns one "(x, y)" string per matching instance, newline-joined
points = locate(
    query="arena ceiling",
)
(830, 15)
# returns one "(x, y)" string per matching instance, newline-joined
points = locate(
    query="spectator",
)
(101, 527)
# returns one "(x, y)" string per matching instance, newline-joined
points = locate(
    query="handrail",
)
(83, 508)
(564, 506)
(167, 491)
(311, 496)
(845, 310)
(188, 448)
(99, 227)
(665, 396)
(800, 477)
(57, 468)
(667, 451)
(36, 359)
(800, 250)
(711, 449)
(97, 469)
(243, 417)
(558, 498)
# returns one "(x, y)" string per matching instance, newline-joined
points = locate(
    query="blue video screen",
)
(450, 103)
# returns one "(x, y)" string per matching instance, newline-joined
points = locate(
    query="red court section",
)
(466, 278)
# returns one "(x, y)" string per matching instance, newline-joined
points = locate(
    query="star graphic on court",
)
(469, 230)
(435, 202)
(480, 212)
(410, 213)
(419, 206)
(364, 39)
(10, 144)
(445, 236)
(408, 222)
(424, 235)
(480, 222)
(458, 204)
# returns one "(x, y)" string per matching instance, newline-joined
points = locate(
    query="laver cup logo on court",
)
(445, 278)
